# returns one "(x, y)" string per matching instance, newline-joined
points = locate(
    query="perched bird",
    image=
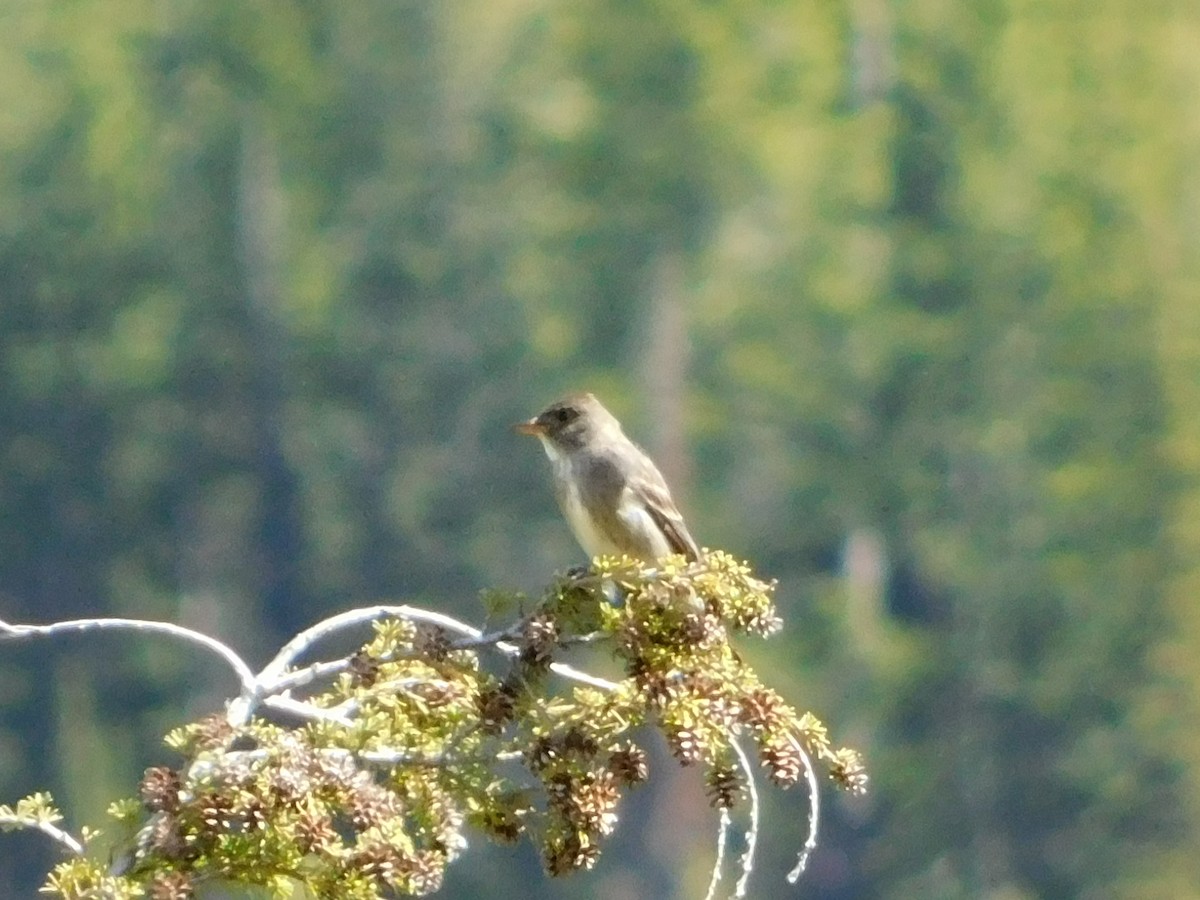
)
(613, 496)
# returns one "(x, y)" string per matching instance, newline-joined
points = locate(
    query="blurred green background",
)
(902, 295)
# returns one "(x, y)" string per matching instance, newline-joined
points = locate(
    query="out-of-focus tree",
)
(972, 378)
(277, 277)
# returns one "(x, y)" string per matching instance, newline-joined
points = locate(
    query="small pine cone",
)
(432, 642)
(438, 693)
(691, 629)
(559, 788)
(784, 761)
(171, 886)
(255, 815)
(164, 837)
(629, 640)
(364, 669)
(159, 789)
(594, 799)
(544, 751)
(564, 855)
(447, 822)
(579, 742)
(701, 630)
(539, 638)
(334, 773)
(848, 771)
(762, 709)
(629, 764)
(724, 787)
(289, 784)
(216, 811)
(639, 670)
(496, 706)
(717, 702)
(315, 833)
(685, 745)
(503, 823)
(654, 685)
(421, 873)
(722, 710)
(376, 860)
(371, 804)
(213, 732)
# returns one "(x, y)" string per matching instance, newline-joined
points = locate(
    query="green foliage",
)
(32, 810)
(275, 279)
(428, 741)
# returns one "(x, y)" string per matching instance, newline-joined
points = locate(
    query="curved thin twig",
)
(213, 767)
(45, 827)
(244, 673)
(289, 705)
(814, 813)
(752, 832)
(574, 674)
(398, 757)
(300, 644)
(318, 671)
(719, 862)
(295, 678)
(276, 675)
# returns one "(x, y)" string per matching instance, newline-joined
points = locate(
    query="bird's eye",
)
(565, 414)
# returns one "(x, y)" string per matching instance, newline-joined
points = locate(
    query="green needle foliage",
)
(424, 737)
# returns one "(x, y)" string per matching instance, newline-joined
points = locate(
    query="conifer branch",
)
(36, 813)
(411, 738)
(50, 830)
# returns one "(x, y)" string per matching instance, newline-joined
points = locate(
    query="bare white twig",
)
(342, 713)
(294, 678)
(814, 813)
(752, 832)
(574, 674)
(276, 675)
(388, 757)
(301, 643)
(245, 675)
(285, 703)
(719, 863)
(269, 685)
(486, 639)
(216, 767)
(300, 677)
(45, 827)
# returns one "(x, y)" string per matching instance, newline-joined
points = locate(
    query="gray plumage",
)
(611, 493)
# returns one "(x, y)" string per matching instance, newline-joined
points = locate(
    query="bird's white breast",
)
(592, 540)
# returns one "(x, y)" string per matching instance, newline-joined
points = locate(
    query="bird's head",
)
(571, 423)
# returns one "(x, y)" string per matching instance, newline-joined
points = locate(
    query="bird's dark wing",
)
(653, 494)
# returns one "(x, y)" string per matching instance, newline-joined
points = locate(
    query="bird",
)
(612, 495)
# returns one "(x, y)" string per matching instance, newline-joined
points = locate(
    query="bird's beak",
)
(533, 427)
